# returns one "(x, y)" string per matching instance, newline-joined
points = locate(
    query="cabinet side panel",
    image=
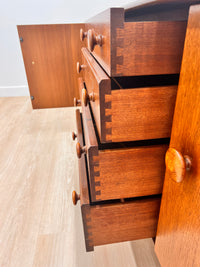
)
(178, 235)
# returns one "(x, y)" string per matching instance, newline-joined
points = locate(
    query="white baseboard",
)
(20, 90)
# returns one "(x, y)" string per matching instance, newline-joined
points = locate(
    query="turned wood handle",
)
(74, 136)
(83, 35)
(79, 67)
(77, 102)
(94, 39)
(75, 197)
(177, 164)
(86, 98)
(80, 150)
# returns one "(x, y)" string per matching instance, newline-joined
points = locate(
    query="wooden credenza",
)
(130, 75)
(138, 71)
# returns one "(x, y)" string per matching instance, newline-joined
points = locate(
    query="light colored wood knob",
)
(79, 67)
(83, 35)
(75, 197)
(77, 102)
(177, 164)
(74, 136)
(80, 150)
(86, 98)
(94, 39)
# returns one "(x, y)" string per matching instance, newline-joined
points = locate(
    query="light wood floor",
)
(39, 226)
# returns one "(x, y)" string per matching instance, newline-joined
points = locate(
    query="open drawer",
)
(123, 170)
(113, 221)
(136, 47)
(128, 108)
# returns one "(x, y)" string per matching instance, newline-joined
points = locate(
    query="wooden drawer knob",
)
(177, 164)
(86, 98)
(94, 40)
(77, 102)
(80, 150)
(74, 136)
(79, 67)
(83, 35)
(75, 197)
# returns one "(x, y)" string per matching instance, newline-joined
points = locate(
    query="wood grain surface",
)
(130, 172)
(105, 24)
(50, 53)
(145, 248)
(38, 170)
(122, 172)
(130, 220)
(36, 179)
(128, 114)
(147, 113)
(178, 236)
(138, 48)
(116, 222)
(97, 82)
(148, 50)
(83, 184)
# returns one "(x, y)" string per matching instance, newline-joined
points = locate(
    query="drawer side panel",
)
(150, 47)
(124, 222)
(140, 114)
(131, 172)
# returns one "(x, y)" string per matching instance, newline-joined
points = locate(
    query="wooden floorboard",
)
(39, 226)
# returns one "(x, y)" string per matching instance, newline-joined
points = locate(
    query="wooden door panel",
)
(50, 53)
(178, 234)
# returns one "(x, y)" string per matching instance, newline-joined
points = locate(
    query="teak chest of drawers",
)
(128, 88)
(130, 70)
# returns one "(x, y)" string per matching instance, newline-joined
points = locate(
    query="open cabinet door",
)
(50, 54)
(178, 234)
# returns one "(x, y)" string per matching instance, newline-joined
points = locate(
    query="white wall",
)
(16, 12)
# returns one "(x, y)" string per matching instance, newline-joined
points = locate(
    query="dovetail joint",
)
(87, 226)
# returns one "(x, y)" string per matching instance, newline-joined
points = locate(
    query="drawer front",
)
(122, 172)
(128, 114)
(107, 223)
(106, 25)
(135, 48)
(99, 84)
